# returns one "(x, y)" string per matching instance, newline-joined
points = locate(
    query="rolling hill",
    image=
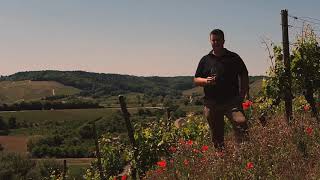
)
(37, 84)
(16, 91)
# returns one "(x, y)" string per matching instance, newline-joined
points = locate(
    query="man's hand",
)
(211, 80)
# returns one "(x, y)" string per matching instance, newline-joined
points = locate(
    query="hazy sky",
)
(138, 37)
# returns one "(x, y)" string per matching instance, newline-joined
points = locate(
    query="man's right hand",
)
(211, 80)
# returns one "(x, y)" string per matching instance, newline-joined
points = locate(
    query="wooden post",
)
(64, 169)
(97, 151)
(285, 43)
(126, 116)
(168, 119)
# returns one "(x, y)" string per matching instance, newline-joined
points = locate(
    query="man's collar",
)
(225, 50)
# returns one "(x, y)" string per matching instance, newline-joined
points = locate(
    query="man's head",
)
(217, 39)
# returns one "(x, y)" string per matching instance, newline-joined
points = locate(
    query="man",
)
(224, 77)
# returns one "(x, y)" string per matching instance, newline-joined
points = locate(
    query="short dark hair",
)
(217, 32)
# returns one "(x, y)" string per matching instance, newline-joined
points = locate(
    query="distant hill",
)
(16, 91)
(99, 84)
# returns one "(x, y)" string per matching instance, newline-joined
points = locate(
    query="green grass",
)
(15, 91)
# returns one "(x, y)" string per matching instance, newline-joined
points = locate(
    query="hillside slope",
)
(100, 84)
(15, 91)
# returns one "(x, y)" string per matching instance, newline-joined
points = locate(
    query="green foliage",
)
(12, 123)
(305, 72)
(306, 61)
(114, 157)
(13, 166)
(3, 127)
(154, 141)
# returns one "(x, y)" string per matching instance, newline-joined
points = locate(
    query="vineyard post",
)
(64, 169)
(168, 119)
(126, 116)
(285, 43)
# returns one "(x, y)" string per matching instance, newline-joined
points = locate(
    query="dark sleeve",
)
(200, 69)
(242, 67)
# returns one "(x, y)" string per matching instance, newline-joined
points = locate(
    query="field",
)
(16, 91)
(44, 122)
(16, 144)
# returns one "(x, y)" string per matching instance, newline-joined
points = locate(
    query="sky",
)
(139, 37)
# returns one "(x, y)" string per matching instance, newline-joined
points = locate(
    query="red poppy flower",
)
(309, 131)
(306, 107)
(186, 162)
(246, 105)
(162, 163)
(249, 165)
(204, 148)
(124, 177)
(189, 142)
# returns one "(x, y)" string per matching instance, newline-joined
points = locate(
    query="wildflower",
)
(181, 141)
(189, 142)
(162, 163)
(171, 161)
(309, 131)
(249, 165)
(124, 177)
(306, 107)
(196, 151)
(186, 162)
(172, 149)
(204, 148)
(246, 105)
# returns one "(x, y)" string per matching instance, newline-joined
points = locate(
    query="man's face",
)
(217, 42)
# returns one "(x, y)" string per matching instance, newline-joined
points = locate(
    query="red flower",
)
(162, 163)
(189, 142)
(115, 178)
(171, 161)
(309, 131)
(172, 149)
(306, 107)
(204, 148)
(186, 162)
(246, 105)
(196, 151)
(249, 165)
(124, 177)
(181, 141)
